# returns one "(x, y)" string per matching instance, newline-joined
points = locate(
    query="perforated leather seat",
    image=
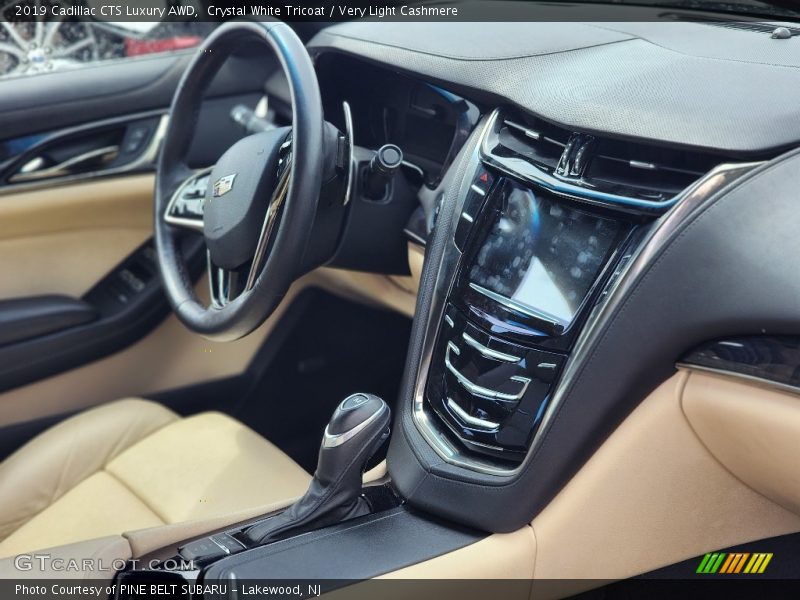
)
(133, 464)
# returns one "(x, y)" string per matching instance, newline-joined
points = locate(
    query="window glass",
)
(33, 39)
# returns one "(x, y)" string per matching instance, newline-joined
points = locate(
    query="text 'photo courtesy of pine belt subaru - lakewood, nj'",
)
(481, 299)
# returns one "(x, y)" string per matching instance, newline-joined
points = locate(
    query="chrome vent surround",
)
(632, 175)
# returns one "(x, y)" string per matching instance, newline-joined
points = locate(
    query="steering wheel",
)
(258, 202)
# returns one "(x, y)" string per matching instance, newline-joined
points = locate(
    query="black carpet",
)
(332, 348)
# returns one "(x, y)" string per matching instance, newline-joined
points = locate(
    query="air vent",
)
(755, 27)
(533, 140)
(649, 172)
(641, 176)
(752, 26)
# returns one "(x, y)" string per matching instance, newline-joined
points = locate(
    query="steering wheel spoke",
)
(185, 208)
(273, 211)
(224, 285)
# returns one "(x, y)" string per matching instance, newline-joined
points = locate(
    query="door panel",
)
(169, 357)
(47, 102)
(75, 226)
(63, 240)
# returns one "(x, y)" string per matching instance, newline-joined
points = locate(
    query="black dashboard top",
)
(683, 83)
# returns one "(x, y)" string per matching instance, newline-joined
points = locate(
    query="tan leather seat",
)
(133, 464)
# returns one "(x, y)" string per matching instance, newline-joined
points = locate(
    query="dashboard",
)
(553, 213)
(553, 158)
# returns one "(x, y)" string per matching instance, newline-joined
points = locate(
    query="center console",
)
(532, 266)
(526, 266)
(540, 242)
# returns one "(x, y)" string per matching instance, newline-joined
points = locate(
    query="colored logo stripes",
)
(734, 563)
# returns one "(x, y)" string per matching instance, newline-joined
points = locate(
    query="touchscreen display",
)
(542, 256)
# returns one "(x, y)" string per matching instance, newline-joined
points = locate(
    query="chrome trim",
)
(731, 344)
(415, 238)
(452, 452)
(479, 390)
(469, 419)
(534, 135)
(528, 172)
(468, 218)
(770, 383)
(146, 159)
(413, 167)
(517, 306)
(477, 189)
(488, 352)
(219, 283)
(266, 228)
(351, 161)
(449, 321)
(193, 224)
(220, 546)
(261, 109)
(334, 440)
(62, 169)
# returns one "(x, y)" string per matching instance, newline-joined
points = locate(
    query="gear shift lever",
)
(358, 427)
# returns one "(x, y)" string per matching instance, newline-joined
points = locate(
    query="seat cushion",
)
(133, 464)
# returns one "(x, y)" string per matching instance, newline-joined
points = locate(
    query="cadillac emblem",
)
(223, 185)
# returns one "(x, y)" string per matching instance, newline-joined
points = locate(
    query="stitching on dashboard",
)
(477, 59)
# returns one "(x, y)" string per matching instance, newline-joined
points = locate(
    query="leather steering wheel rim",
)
(293, 229)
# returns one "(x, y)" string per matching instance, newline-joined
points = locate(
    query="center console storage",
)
(224, 564)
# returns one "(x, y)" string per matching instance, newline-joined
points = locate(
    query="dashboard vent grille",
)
(752, 26)
(534, 140)
(653, 172)
(640, 175)
(755, 27)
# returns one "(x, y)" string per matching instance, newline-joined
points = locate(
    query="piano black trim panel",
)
(774, 360)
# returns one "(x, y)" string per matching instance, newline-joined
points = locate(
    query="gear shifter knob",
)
(353, 415)
(358, 427)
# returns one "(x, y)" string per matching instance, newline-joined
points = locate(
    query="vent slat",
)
(536, 140)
